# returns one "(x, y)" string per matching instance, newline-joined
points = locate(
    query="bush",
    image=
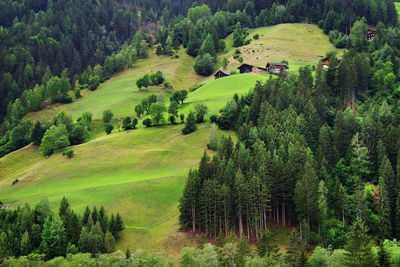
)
(195, 87)
(69, 154)
(256, 36)
(94, 82)
(213, 119)
(143, 82)
(56, 137)
(213, 141)
(190, 124)
(182, 117)
(147, 122)
(79, 135)
(107, 116)
(201, 111)
(204, 65)
(168, 86)
(127, 123)
(172, 119)
(77, 93)
(108, 127)
(134, 123)
(157, 78)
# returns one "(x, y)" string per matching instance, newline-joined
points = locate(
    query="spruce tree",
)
(190, 124)
(359, 246)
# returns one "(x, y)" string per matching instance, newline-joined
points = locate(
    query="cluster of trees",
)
(58, 134)
(41, 233)
(156, 78)
(320, 152)
(228, 251)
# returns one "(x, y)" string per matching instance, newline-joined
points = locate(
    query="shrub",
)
(213, 141)
(94, 82)
(213, 119)
(147, 122)
(204, 65)
(157, 78)
(69, 154)
(256, 36)
(168, 86)
(172, 119)
(182, 117)
(79, 135)
(134, 123)
(77, 93)
(108, 127)
(190, 124)
(201, 111)
(56, 137)
(195, 87)
(127, 123)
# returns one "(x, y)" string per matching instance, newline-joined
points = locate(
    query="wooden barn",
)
(221, 74)
(247, 68)
(325, 62)
(371, 34)
(276, 68)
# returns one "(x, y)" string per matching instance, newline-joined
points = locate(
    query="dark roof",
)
(325, 58)
(224, 72)
(276, 64)
(249, 65)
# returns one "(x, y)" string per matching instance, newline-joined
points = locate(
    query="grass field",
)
(300, 44)
(215, 93)
(142, 173)
(397, 5)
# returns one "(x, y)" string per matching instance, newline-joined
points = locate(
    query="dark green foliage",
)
(143, 82)
(156, 78)
(147, 122)
(201, 110)
(190, 124)
(359, 246)
(204, 64)
(182, 117)
(78, 135)
(69, 154)
(108, 127)
(56, 137)
(267, 244)
(37, 133)
(179, 96)
(157, 112)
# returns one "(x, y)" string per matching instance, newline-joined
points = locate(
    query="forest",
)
(317, 151)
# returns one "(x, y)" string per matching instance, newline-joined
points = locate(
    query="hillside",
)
(142, 173)
(300, 44)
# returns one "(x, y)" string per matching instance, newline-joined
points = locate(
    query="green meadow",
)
(141, 173)
(397, 5)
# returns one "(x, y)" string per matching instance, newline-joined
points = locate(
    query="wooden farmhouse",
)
(371, 34)
(325, 62)
(247, 68)
(221, 74)
(276, 68)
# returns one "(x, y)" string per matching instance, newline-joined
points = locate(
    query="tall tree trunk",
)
(283, 214)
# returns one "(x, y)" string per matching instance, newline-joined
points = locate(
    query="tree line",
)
(319, 152)
(44, 234)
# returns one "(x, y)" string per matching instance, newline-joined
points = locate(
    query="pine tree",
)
(26, 246)
(267, 244)
(383, 257)
(306, 194)
(384, 209)
(359, 246)
(109, 242)
(293, 252)
(54, 241)
(190, 124)
(208, 47)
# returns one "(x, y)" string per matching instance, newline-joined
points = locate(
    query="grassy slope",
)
(215, 93)
(397, 5)
(142, 173)
(300, 44)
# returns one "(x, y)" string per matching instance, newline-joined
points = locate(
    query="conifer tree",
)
(359, 246)
(190, 124)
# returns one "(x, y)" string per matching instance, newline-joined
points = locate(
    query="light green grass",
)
(397, 5)
(215, 93)
(300, 44)
(140, 174)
